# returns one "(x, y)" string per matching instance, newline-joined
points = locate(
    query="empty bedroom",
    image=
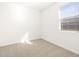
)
(42, 29)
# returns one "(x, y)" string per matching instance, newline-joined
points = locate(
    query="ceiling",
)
(39, 6)
(36, 5)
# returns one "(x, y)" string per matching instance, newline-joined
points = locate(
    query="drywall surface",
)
(52, 33)
(16, 21)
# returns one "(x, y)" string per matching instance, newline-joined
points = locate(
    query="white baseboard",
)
(15, 42)
(8, 43)
(72, 50)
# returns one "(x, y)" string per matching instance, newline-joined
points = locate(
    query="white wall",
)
(17, 20)
(52, 33)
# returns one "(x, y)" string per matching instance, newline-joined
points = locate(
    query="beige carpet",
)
(39, 48)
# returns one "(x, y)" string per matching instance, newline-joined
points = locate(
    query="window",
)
(70, 17)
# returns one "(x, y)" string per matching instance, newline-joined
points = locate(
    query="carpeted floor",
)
(38, 48)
